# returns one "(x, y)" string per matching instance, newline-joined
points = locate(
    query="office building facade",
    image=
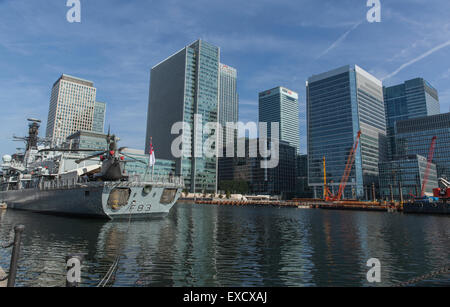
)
(98, 123)
(72, 108)
(86, 140)
(184, 88)
(228, 113)
(411, 99)
(280, 180)
(280, 105)
(406, 175)
(414, 136)
(301, 180)
(162, 168)
(340, 103)
(228, 102)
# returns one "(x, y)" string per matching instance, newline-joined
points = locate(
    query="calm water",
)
(233, 246)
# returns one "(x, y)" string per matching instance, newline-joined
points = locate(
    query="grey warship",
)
(37, 181)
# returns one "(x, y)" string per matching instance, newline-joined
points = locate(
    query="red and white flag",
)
(151, 159)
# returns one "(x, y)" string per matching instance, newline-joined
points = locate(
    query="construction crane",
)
(427, 170)
(327, 195)
(325, 188)
(347, 171)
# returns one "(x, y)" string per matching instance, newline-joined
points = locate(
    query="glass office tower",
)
(414, 136)
(228, 101)
(183, 87)
(278, 181)
(281, 105)
(339, 104)
(228, 113)
(411, 99)
(410, 172)
(98, 124)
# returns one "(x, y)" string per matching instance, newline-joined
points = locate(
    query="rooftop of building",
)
(279, 90)
(414, 80)
(341, 70)
(227, 67)
(182, 49)
(74, 80)
(86, 133)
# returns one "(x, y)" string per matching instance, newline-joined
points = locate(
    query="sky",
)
(270, 43)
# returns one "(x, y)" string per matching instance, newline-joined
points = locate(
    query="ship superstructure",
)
(84, 182)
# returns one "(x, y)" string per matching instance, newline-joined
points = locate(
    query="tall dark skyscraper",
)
(339, 104)
(184, 87)
(411, 99)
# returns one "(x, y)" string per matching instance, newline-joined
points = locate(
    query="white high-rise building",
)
(72, 108)
(228, 101)
(280, 105)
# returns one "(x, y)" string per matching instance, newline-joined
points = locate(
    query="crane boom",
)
(348, 167)
(427, 170)
(325, 194)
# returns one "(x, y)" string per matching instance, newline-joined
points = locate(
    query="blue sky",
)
(270, 43)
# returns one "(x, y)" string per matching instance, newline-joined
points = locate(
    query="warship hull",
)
(108, 200)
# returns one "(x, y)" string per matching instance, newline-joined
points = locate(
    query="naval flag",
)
(152, 159)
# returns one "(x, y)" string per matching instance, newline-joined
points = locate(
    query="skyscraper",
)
(339, 104)
(414, 136)
(228, 113)
(411, 99)
(184, 88)
(408, 174)
(228, 101)
(98, 124)
(72, 108)
(280, 105)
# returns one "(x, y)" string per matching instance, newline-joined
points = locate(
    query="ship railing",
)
(70, 183)
(158, 180)
(59, 184)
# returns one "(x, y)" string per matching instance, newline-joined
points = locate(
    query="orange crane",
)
(348, 168)
(326, 191)
(325, 188)
(427, 170)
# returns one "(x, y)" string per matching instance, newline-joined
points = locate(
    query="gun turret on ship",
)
(97, 185)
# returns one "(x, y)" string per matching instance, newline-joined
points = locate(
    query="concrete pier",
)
(307, 203)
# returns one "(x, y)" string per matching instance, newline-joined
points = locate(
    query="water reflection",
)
(227, 246)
